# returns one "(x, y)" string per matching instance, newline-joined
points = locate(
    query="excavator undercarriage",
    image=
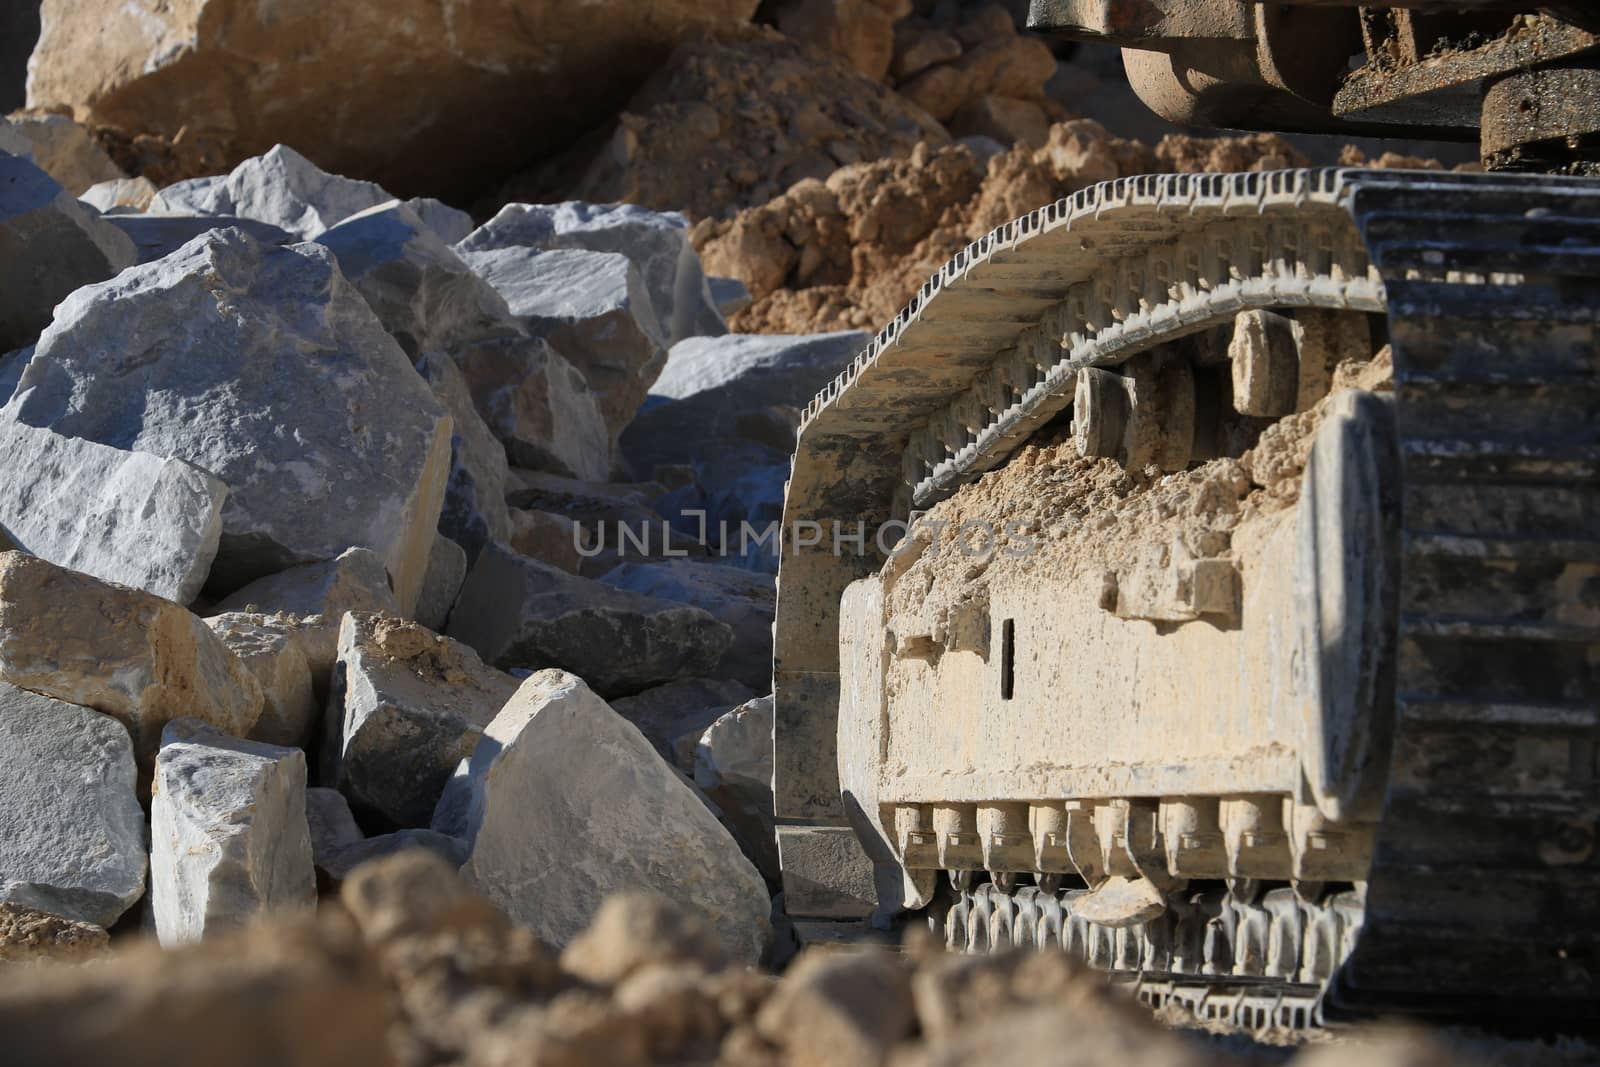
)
(1233, 615)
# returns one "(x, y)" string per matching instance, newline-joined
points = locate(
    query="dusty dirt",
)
(848, 251)
(1088, 514)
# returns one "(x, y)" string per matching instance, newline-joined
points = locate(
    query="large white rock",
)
(475, 511)
(657, 241)
(733, 766)
(132, 518)
(568, 803)
(432, 302)
(745, 372)
(409, 705)
(742, 599)
(275, 654)
(49, 245)
(71, 830)
(263, 366)
(286, 189)
(593, 307)
(519, 612)
(134, 656)
(228, 833)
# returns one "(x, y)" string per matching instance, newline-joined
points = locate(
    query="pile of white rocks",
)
(333, 525)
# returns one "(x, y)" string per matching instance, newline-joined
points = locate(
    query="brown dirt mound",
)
(849, 251)
(731, 121)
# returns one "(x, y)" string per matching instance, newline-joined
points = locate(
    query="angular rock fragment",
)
(50, 245)
(131, 655)
(656, 241)
(673, 717)
(519, 612)
(157, 236)
(264, 367)
(276, 655)
(544, 535)
(127, 517)
(474, 510)
(71, 830)
(287, 190)
(119, 194)
(447, 569)
(331, 825)
(318, 595)
(228, 832)
(570, 803)
(733, 766)
(742, 599)
(410, 705)
(593, 307)
(539, 405)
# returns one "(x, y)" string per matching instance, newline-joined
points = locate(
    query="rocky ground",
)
(383, 662)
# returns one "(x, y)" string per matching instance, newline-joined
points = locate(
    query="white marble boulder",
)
(263, 366)
(567, 803)
(71, 830)
(656, 241)
(132, 518)
(229, 838)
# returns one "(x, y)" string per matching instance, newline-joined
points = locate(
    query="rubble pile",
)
(327, 537)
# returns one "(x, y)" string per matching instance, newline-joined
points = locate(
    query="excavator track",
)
(1483, 898)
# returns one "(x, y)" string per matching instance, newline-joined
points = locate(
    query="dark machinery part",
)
(1517, 77)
